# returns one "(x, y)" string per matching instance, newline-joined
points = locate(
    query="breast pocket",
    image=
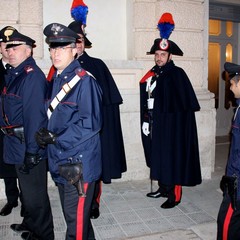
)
(66, 114)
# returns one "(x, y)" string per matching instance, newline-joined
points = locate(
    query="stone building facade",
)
(138, 23)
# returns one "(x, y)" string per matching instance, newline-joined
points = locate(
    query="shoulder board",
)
(146, 76)
(80, 72)
(28, 69)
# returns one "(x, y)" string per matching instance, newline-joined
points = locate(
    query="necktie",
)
(8, 66)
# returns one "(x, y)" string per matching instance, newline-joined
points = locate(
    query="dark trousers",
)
(174, 192)
(228, 221)
(37, 211)
(77, 211)
(97, 194)
(11, 190)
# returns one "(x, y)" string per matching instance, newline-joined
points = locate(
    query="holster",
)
(229, 185)
(18, 132)
(73, 173)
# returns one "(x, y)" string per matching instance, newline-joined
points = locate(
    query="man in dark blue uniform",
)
(113, 153)
(73, 132)
(228, 221)
(23, 113)
(169, 132)
(7, 171)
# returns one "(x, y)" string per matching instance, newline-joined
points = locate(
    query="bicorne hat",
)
(166, 26)
(78, 28)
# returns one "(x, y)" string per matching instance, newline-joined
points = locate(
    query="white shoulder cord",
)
(63, 92)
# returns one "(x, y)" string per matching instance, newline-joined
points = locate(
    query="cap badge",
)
(8, 32)
(164, 44)
(56, 29)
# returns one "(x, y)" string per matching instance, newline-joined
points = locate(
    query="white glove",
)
(145, 128)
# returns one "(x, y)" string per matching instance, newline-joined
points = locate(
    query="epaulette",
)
(28, 69)
(82, 72)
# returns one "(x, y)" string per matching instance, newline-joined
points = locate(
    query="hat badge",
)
(56, 29)
(164, 44)
(8, 32)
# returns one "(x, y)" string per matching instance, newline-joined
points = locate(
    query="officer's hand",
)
(145, 128)
(44, 137)
(30, 161)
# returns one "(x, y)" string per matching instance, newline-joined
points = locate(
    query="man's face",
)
(18, 54)
(3, 51)
(80, 44)
(62, 56)
(162, 57)
(235, 87)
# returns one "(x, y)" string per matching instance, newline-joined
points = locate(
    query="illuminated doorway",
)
(223, 37)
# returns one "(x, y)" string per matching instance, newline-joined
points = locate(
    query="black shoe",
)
(94, 213)
(7, 209)
(156, 194)
(28, 236)
(19, 228)
(169, 204)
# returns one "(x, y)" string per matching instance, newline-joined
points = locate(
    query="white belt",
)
(150, 87)
(63, 92)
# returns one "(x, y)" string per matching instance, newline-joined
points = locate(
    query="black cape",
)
(6, 170)
(113, 153)
(171, 151)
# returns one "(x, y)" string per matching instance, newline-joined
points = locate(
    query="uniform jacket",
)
(113, 152)
(171, 150)
(23, 100)
(77, 122)
(233, 165)
(6, 170)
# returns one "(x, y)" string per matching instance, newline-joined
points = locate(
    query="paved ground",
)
(126, 213)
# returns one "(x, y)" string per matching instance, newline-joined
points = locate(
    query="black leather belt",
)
(12, 130)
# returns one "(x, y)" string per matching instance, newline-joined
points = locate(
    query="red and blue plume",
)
(79, 11)
(166, 25)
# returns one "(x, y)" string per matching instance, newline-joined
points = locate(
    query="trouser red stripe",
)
(80, 214)
(227, 222)
(178, 193)
(99, 193)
